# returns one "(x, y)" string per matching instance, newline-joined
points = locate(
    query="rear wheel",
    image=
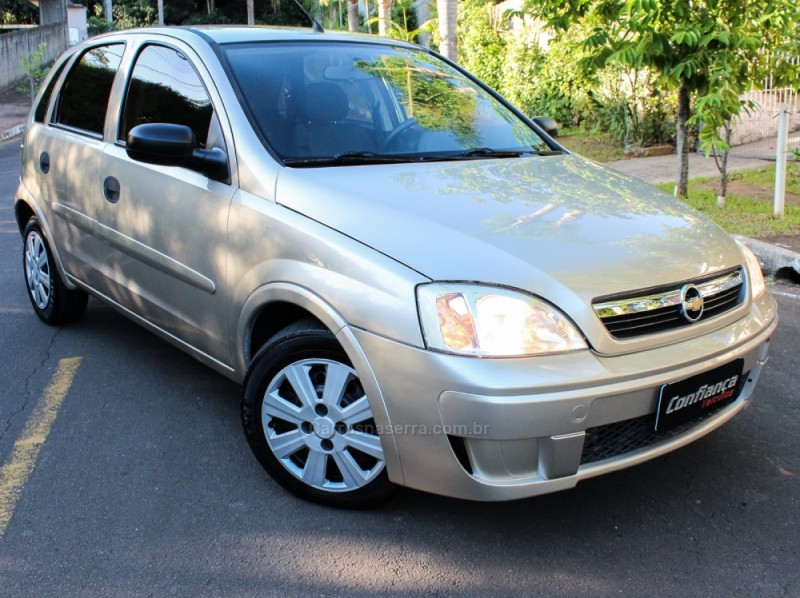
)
(52, 301)
(309, 423)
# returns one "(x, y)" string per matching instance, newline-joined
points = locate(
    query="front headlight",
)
(757, 284)
(471, 319)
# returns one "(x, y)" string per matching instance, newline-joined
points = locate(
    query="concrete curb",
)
(771, 257)
(12, 132)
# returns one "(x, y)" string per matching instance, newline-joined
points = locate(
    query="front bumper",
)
(502, 429)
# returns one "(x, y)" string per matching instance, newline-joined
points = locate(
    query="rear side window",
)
(165, 88)
(84, 97)
(41, 108)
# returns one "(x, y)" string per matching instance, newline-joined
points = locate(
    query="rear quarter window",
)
(41, 108)
(83, 100)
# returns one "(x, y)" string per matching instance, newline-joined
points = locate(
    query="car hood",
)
(552, 225)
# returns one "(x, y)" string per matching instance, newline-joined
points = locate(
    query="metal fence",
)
(755, 133)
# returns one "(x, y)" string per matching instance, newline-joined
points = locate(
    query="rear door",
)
(66, 153)
(166, 226)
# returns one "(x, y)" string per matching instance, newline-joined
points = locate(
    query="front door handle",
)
(111, 189)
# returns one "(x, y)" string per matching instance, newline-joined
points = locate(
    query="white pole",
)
(161, 12)
(781, 151)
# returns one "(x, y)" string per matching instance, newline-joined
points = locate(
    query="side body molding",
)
(136, 249)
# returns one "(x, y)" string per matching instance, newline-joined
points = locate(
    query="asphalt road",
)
(145, 486)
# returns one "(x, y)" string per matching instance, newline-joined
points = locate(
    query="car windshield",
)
(328, 103)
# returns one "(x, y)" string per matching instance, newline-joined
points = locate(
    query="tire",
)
(52, 301)
(309, 423)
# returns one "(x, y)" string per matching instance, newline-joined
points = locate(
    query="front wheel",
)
(52, 301)
(309, 423)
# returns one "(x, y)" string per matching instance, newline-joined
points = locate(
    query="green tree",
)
(352, 15)
(18, 12)
(552, 82)
(403, 30)
(737, 61)
(447, 15)
(139, 13)
(681, 40)
(481, 43)
(384, 17)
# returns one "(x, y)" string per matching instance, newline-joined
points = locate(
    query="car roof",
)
(235, 34)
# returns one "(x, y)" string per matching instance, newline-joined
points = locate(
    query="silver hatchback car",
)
(415, 284)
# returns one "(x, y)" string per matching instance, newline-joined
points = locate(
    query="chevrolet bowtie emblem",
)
(692, 303)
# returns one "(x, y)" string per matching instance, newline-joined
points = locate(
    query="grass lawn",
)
(749, 209)
(765, 177)
(599, 147)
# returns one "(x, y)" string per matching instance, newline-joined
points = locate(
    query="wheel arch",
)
(291, 303)
(271, 308)
(22, 213)
(24, 210)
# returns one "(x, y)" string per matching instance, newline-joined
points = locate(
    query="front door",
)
(166, 226)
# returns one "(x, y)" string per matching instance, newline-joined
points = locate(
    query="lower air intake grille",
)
(619, 438)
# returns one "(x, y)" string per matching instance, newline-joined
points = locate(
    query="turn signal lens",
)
(756, 276)
(455, 322)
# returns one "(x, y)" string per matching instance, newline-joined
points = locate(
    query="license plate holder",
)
(685, 400)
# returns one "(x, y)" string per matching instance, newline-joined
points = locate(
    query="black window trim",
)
(55, 108)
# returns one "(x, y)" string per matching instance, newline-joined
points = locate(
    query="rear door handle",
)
(44, 162)
(111, 189)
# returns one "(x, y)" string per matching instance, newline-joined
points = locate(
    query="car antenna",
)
(315, 26)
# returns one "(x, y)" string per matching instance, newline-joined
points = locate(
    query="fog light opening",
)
(459, 447)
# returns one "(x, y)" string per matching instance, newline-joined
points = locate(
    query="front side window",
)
(84, 98)
(318, 101)
(165, 88)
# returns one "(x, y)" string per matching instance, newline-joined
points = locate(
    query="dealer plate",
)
(680, 402)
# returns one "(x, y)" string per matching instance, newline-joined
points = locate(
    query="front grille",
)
(650, 311)
(619, 438)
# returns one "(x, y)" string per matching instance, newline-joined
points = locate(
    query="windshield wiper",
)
(488, 152)
(351, 158)
(376, 158)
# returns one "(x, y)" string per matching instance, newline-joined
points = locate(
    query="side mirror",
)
(168, 144)
(547, 124)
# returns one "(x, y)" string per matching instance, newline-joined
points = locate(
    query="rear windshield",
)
(316, 101)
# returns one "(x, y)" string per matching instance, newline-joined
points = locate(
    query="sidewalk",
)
(662, 169)
(14, 107)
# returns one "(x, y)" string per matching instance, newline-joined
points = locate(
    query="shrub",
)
(34, 69)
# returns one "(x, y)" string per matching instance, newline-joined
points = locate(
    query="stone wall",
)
(17, 44)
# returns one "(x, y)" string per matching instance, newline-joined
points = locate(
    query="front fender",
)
(284, 292)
